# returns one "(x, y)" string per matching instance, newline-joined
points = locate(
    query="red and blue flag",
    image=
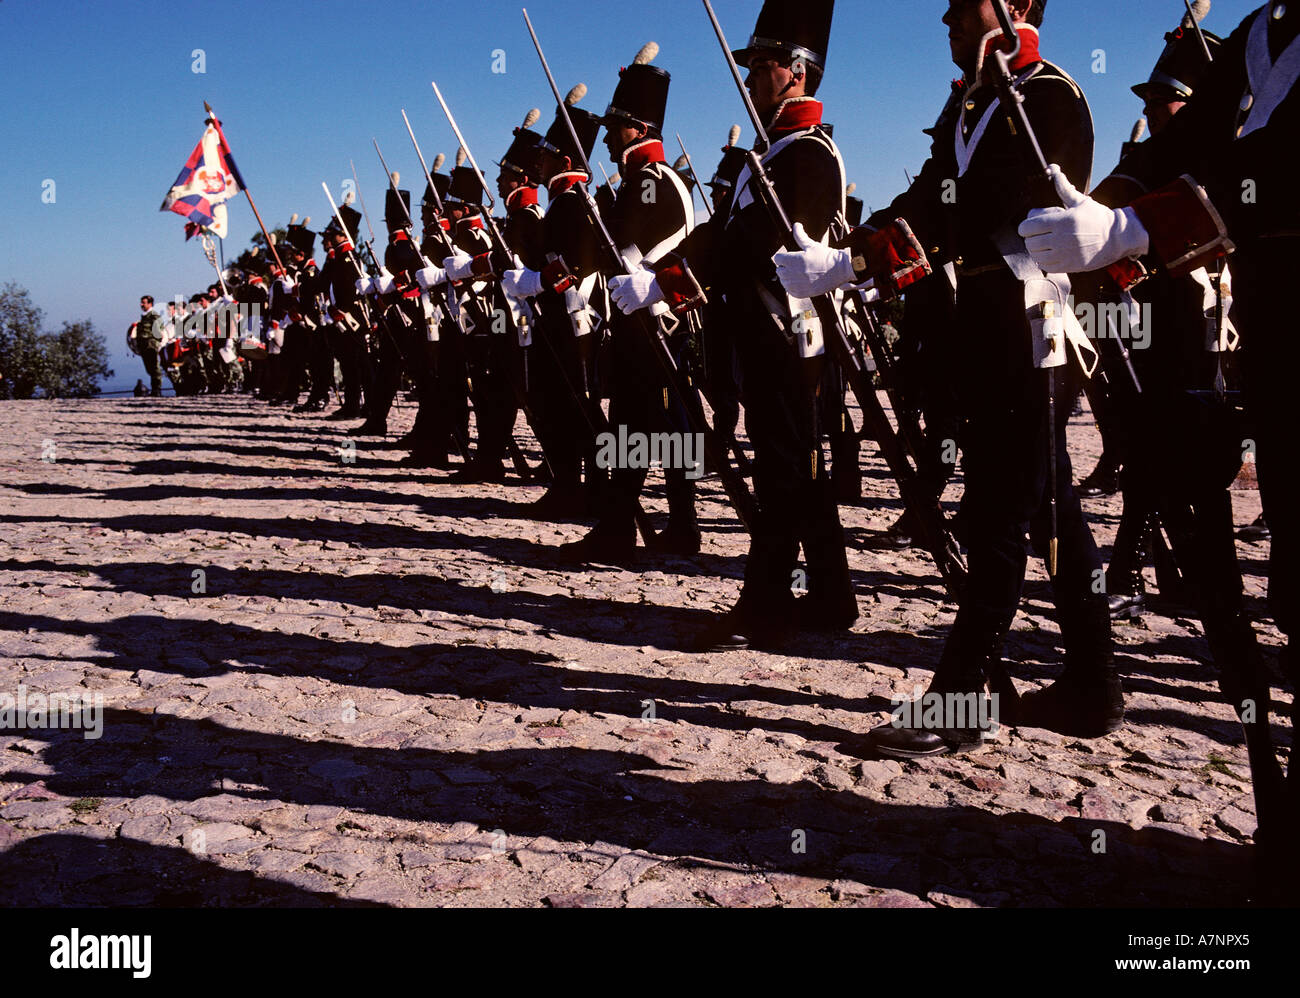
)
(207, 181)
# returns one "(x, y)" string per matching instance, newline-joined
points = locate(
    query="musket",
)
(691, 166)
(934, 535)
(1196, 26)
(362, 198)
(609, 184)
(1013, 105)
(733, 484)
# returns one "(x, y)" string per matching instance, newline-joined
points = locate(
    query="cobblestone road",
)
(333, 683)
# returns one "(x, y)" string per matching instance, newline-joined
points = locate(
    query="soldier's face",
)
(619, 137)
(969, 21)
(506, 183)
(770, 81)
(1160, 112)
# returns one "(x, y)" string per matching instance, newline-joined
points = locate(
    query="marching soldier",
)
(732, 257)
(396, 290)
(1234, 141)
(472, 354)
(652, 212)
(501, 368)
(347, 329)
(561, 367)
(1004, 394)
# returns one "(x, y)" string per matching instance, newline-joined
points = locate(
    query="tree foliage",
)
(66, 364)
(75, 359)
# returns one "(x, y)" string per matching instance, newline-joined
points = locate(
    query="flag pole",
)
(270, 244)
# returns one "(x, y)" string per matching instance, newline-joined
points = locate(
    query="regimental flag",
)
(208, 180)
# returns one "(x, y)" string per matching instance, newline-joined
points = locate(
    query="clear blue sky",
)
(101, 98)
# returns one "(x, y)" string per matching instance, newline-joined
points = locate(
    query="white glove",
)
(385, 283)
(458, 267)
(287, 284)
(637, 290)
(430, 276)
(1082, 236)
(363, 285)
(814, 269)
(521, 283)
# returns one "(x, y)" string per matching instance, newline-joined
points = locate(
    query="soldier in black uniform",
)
(731, 255)
(431, 438)
(499, 373)
(398, 320)
(473, 354)
(1004, 395)
(652, 212)
(562, 373)
(346, 331)
(1236, 142)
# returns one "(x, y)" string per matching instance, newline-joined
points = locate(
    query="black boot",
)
(1255, 532)
(1125, 585)
(1103, 481)
(602, 544)
(952, 715)
(1088, 700)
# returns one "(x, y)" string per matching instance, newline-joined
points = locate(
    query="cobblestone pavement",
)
(343, 683)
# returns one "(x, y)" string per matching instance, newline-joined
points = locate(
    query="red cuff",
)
(1185, 229)
(482, 265)
(892, 256)
(556, 276)
(682, 292)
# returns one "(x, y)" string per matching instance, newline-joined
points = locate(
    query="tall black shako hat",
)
(299, 236)
(799, 28)
(394, 217)
(522, 159)
(464, 188)
(441, 182)
(1182, 66)
(641, 97)
(557, 140)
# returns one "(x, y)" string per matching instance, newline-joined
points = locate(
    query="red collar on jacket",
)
(400, 236)
(643, 153)
(521, 197)
(1027, 56)
(795, 115)
(561, 182)
(473, 222)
